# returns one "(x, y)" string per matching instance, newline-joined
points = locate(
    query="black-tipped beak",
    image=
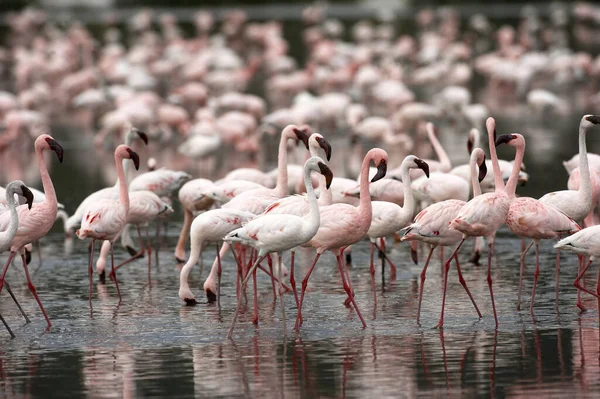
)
(28, 196)
(325, 171)
(470, 145)
(135, 158)
(482, 171)
(143, 136)
(505, 138)
(302, 135)
(423, 166)
(324, 144)
(595, 119)
(381, 171)
(54, 146)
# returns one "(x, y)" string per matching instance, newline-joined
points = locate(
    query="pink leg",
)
(489, 276)
(535, 275)
(255, 314)
(579, 286)
(348, 287)
(423, 273)
(135, 256)
(270, 262)
(598, 293)
(522, 269)
(446, 268)
(149, 254)
(293, 279)
(557, 265)
(33, 291)
(91, 271)
(304, 285)
(372, 271)
(281, 301)
(464, 284)
(113, 271)
(8, 262)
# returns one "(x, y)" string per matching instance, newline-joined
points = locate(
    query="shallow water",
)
(153, 345)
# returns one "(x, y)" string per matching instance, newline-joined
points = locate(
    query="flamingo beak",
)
(595, 119)
(28, 196)
(135, 158)
(324, 144)
(325, 171)
(482, 171)
(423, 166)
(470, 145)
(381, 171)
(143, 136)
(505, 138)
(54, 146)
(301, 135)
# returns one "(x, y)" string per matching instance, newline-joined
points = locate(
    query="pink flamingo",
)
(34, 223)
(278, 233)
(343, 225)
(6, 237)
(388, 217)
(432, 226)
(105, 219)
(528, 217)
(486, 213)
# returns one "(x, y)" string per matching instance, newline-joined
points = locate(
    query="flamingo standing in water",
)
(343, 225)
(278, 233)
(104, 219)
(432, 225)
(528, 217)
(7, 236)
(34, 223)
(211, 226)
(388, 217)
(485, 214)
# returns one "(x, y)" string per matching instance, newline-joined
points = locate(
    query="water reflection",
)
(431, 362)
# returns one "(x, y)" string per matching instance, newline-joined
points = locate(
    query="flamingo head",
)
(471, 141)
(424, 166)
(54, 146)
(507, 139)
(134, 157)
(322, 143)
(490, 125)
(325, 171)
(381, 170)
(302, 134)
(143, 136)
(482, 170)
(591, 120)
(25, 192)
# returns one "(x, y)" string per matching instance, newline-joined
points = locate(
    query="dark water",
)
(153, 345)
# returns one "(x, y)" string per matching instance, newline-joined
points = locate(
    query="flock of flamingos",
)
(189, 97)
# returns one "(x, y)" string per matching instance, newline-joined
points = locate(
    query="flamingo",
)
(34, 223)
(6, 237)
(105, 218)
(432, 225)
(224, 190)
(485, 214)
(388, 218)
(528, 217)
(278, 233)
(145, 207)
(211, 226)
(343, 225)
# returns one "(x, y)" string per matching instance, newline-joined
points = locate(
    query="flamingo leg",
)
(393, 267)
(91, 271)
(255, 314)
(149, 254)
(270, 262)
(348, 287)
(113, 271)
(579, 286)
(27, 321)
(304, 285)
(279, 272)
(522, 270)
(382, 256)
(34, 291)
(464, 284)
(557, 266)
(219, 270)
(535, 275)
(489, 276)
(8, 262)
(12, 335)
(580, 262)
(372, 271)
(292, 278)
(446, 269)
(135, 256)
(244, 283)
(423, 273)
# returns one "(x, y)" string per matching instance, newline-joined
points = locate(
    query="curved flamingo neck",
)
(498, 182)
(46, 180)
(123, 193)
(314, 216)
(439, 150)
(409, 199)
(474, 173)
(282, 175)
(364, 206)
(511, 185)
(585, 186)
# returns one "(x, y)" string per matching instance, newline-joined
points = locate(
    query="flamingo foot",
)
(191, 301)
(211, 296)
(102, 277)
(132, 251)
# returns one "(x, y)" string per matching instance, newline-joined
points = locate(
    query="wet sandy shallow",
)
(153, 345)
